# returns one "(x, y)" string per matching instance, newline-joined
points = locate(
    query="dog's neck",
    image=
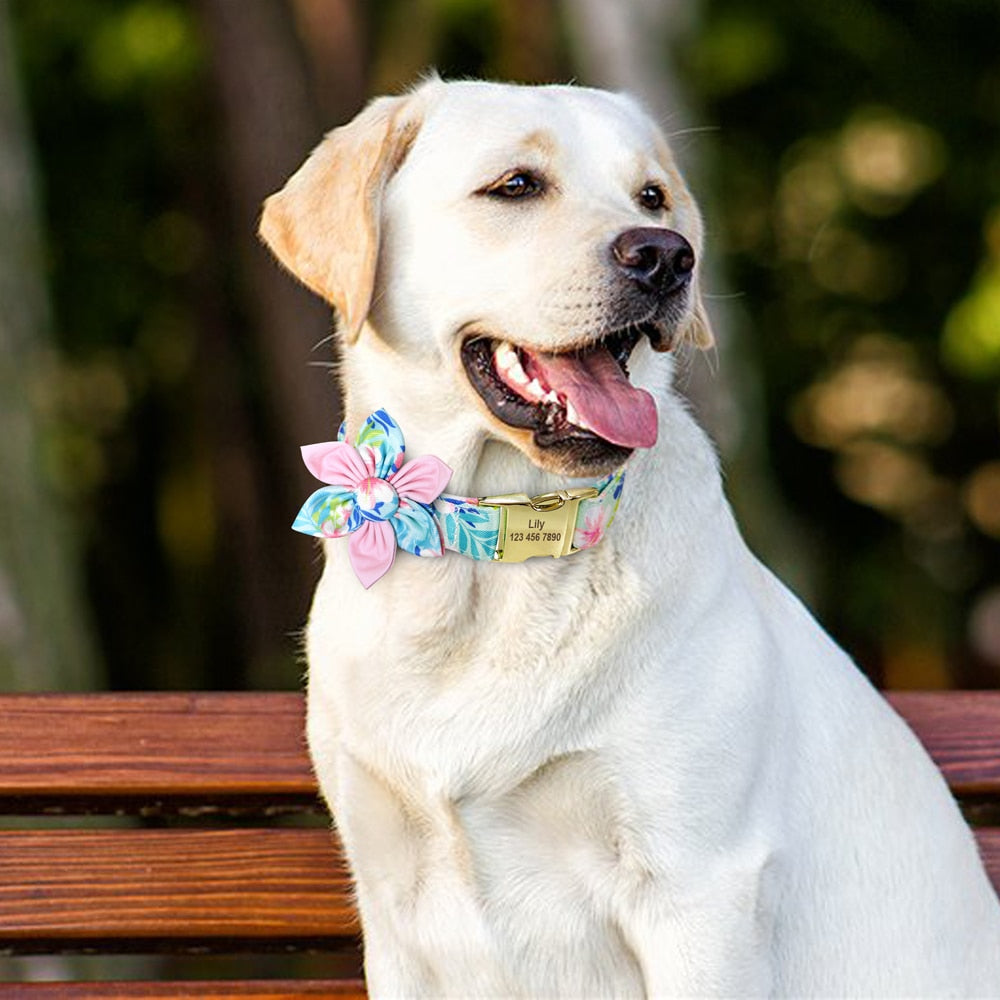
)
(673, 490)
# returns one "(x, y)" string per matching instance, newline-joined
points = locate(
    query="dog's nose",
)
(660, 261)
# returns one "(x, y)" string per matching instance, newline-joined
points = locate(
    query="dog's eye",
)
(516, 184)
(652, 197)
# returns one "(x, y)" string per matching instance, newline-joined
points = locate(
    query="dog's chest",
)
(475, 890)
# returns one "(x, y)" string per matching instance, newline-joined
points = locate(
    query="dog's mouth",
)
(580, 398)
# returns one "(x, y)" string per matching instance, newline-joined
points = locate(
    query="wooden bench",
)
(211, 840)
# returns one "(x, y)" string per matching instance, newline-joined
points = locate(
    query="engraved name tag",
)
(537, 526)
(533, 533)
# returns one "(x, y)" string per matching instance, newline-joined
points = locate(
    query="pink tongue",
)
(604, 399)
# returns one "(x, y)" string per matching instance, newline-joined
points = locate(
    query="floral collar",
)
(383, 503)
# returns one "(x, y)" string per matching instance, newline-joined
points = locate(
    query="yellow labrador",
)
(640, 769)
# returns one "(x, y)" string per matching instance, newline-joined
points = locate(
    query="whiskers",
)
(332, 365)
(326, 340)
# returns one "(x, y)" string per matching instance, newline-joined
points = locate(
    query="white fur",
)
(639, 770)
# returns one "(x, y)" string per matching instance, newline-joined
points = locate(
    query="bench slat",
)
(145, 890)
(133, 890)
(961, 730)
(347, 989)
(68, 750)
(225, 748)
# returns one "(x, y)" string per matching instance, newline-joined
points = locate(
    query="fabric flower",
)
(373, 497)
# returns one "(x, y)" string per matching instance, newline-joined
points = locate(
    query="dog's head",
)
(520, 243)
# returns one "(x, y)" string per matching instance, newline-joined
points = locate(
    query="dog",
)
(639, 769)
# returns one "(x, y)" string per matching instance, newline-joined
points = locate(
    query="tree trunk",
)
(332, 33)
(271, 123)
(271, 84)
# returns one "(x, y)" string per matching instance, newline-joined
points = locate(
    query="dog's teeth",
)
(571, 415)
(504, 357)
(509, 364)
(551, 397)
(534, 388)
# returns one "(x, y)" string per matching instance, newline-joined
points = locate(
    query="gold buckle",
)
(537, 526)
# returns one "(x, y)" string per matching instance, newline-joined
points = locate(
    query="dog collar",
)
(383, 503)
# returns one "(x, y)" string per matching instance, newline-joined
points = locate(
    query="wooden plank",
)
(143, 890)
(961, 730)
(121, 748)
(131, 890)
(347, 989)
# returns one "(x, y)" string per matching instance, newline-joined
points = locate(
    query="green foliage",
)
(742, 49)
(148, 43)
(971, 340)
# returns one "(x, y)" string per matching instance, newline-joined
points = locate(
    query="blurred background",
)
(158, 372)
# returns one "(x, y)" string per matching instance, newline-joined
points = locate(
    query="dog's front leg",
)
(389, 974)
(380, 850)
(708, 934)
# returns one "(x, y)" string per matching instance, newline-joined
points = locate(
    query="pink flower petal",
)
(372, 549)
(423, 479)
(336, 463)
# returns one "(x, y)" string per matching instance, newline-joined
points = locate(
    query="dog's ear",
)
(323, 225)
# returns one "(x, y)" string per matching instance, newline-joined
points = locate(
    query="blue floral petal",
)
(416, 530)
(380, 434)
(328, 513)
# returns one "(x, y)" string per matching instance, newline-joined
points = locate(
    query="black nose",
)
(659, 261)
